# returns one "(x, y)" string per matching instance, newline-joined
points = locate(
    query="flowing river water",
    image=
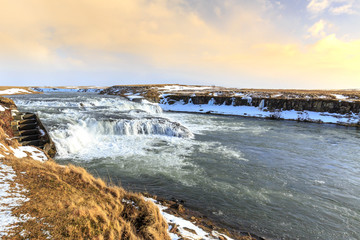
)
(277, 179)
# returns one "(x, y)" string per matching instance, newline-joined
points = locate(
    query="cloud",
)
(159, 32)
(318, 29)
(162, 36)
(318, 6)
(344, 9)
(335, 7)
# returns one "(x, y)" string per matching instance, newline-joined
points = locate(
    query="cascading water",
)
(92, 136)
(147, 126)
(84, 127)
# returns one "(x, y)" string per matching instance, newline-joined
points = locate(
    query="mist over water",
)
(277, 179)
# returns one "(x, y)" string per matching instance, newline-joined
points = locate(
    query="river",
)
(276, 179)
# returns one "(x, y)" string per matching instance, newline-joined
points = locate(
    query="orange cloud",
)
(163, 34)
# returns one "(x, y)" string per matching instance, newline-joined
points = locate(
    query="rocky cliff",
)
(273, 104)
(336, 101)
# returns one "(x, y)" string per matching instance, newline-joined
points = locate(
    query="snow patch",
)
(175, 88)
(13, 91)
(33, 152)
(11, 195)
(340, 97)
(183, 225)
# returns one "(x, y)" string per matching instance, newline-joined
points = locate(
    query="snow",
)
(251, 111)
(25, 151)
(35, 153)
(18, 152)
(132, 97)
(2, 108)
(13, 112)
(174, 88)
(11, 195)
(42, 132)
(249, 99)
(183, 224)
(322, 97)
(13, 91)
(340, 97)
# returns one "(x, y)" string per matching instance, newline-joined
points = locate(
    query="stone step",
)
(26, 121)
(26, 132)
(36, 143)
(28, 138)
(29, 131)
(25, 126)
(23, 116)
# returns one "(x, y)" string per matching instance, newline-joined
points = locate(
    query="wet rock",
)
(174, 228)
(179, 207)
(190, 230)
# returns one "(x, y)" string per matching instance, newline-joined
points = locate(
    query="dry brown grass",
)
(5, 122)
(152, 94)
(69, 203)
(6, 102)
(8, 87)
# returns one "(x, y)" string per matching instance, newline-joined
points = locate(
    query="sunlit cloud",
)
(136, 39)
(317, 6)
(335, 7)
(344, 9)
(318, 29)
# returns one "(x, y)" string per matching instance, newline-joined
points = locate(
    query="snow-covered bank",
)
(186, 229)
(11, 196)
(252, 111)
(11, 91)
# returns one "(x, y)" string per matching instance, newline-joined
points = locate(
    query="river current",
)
(276, 179)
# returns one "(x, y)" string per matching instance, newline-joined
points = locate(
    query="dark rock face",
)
(272, 104)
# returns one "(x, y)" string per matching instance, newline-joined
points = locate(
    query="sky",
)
(308, 44)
